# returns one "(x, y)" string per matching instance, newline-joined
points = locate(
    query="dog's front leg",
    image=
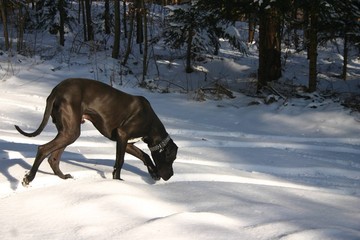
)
(121, 142)
(135, 151)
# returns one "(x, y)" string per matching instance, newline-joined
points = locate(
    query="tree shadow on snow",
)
(14, 154)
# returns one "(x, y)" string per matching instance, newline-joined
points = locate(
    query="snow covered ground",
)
(279, 171)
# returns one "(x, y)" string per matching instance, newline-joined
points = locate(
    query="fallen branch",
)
(219, 89)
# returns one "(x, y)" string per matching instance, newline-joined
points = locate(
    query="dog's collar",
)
(161, 145)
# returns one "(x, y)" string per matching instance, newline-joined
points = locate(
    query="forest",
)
(251, 91)
(194, 29)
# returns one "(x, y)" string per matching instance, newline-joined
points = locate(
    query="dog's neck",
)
(157, 138)
(160, 146)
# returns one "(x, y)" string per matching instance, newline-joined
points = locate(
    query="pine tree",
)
(270, 16)
(89, 25)
(4, 18)
(54, 16)
(340, 19)
(326, 20)
(116, 46)
(198, 27)
(313, 41)
(269, 46)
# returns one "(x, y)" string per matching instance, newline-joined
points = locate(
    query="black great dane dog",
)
(117, 115)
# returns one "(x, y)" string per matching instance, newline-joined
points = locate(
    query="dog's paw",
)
(156, 177)
(67, 176)
(117, 178)
(153, 173)
(116, 175)
(25, 182)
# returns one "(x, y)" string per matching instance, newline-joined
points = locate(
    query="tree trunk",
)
(139, 5)
(269, 47)
(306, 31)
(346, 51)
(107, 17)
(188, 67)
(79, 12)
(116, 47)
(90, 31)
(128, 48)
(62, 13)
(3, 4)
(145, 47)
(82, 4)
(20, 30)
(252, 25)
(124, 19)
(296, 36)
(314, 14)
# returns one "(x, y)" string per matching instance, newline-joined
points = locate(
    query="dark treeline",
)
(195, 26)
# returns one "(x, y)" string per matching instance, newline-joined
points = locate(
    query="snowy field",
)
(279, 171)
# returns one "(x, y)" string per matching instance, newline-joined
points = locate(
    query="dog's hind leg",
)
(59, 142)
(54, 161)
(69, 131)
(66, 115)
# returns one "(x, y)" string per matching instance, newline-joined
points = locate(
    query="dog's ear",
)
(145, 140)
(171, 151)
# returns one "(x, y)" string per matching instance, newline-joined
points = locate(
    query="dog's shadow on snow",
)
(82, 162)
(13, 155)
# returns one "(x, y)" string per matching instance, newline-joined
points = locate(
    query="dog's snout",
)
(165, 178)
(166, 175)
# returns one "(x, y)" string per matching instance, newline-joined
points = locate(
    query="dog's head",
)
(164, 158)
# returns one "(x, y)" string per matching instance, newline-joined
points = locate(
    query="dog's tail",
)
(48, 109)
